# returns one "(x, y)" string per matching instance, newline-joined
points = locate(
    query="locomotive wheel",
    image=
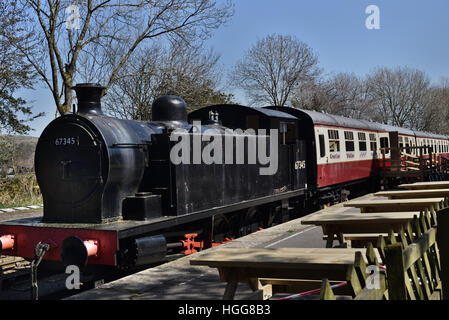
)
(221, 228)
(253, 220)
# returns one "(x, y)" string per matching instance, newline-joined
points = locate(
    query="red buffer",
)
(7, 242)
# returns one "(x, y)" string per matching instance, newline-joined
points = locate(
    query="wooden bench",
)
(368, 206)
(412, 260)
(292, 269)
(426, 185)
(413, 194)
(335, 225)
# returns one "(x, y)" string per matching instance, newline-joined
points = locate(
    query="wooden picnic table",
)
(412, 194)
(248, 264)
(426, 185)
(336, 225)
(398, 205)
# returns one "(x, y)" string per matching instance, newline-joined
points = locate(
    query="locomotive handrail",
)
(130, 145)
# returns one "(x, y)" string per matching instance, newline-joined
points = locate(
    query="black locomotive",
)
(114, 196)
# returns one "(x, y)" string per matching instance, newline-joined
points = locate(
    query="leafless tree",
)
(71, 31)
(273, 68)
(399, 95)
(343, 94)
(435, 117)
(192, 73)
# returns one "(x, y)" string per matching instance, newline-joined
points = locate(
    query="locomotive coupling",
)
(6, 242)
(75, 251)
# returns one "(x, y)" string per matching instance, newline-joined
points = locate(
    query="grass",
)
(20, 191)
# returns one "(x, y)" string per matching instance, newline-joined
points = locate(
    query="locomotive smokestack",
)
(89, 98)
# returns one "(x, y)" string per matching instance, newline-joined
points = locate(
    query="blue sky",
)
(412, 33)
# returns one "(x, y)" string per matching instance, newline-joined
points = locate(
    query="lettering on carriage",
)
(363, 154)
(350, 155)
(335, 156)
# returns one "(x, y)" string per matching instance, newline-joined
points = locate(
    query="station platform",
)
(178, 280)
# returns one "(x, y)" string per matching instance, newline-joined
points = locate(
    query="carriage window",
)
(287, 133)
(349, 141)
(372, 142)
(407, 145)
(401, 142)
(322, 147)
(384, 144)
(334, 141)
(362, 141)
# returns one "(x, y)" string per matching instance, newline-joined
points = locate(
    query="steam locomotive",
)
(125, 193)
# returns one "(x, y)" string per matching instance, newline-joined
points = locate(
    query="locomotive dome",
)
(169, 108)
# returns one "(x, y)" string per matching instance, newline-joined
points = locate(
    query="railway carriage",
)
(347, 152)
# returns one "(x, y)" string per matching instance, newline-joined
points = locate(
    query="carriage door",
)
(395, 151)
(296, 155)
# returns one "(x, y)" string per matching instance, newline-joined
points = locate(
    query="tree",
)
(435, 117)
(104, 34)
(155, 71)
(15, 72)
(273, 68)
(400, 95)
(342, 94)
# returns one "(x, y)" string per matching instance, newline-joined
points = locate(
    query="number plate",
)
(63, 141)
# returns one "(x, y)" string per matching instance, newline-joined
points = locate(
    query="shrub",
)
(22, 190)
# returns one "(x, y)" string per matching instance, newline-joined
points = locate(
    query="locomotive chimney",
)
(89, 98)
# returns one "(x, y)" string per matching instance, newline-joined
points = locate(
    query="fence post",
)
(396, 274)
(443, 245)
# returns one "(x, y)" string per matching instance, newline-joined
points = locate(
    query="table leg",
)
(341, 239)
(330, 240)
(231, 287)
